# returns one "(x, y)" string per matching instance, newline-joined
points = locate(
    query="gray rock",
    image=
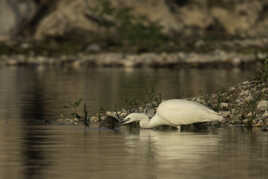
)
(249, 114)
(246, 121)
(224, 105)
(265, 115)
(259, 123)
(225, 114)
(262, 105)
(94, 119)
(93, 48)
(264, 90)
(245, 93)
(249, 98)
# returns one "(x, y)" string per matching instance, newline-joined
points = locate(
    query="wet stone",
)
(225, 114)
(259, 123)
(224, 105)
(265, 115)
(249, 98)
(262, 105)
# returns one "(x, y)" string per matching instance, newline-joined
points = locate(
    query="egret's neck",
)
(145, 123)
(148, 124)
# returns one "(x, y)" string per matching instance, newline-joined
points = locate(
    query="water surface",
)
(44, 91)
(31, 149)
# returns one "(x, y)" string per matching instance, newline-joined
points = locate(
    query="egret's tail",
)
(217, 117)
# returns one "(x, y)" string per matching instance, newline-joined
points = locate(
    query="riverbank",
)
(114, 59)
(192, 52)
(245, 104)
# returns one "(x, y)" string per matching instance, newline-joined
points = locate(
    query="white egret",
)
(175, 112)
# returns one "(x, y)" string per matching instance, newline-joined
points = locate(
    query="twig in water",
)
(86, 119)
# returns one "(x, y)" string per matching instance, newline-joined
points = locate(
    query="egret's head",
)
(133, 117)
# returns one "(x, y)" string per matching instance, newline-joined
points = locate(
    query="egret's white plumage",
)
(175, 112)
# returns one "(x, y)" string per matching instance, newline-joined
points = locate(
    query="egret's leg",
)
(179, 128)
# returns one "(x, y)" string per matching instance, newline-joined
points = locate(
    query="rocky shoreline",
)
(114, 59)
(245, 104)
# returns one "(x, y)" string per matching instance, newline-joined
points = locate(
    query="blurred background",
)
(134, 25)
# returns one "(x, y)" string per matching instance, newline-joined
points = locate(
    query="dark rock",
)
(109, 122)
(264, 128)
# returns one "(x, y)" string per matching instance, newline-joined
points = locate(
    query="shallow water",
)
(34, 151)
(31, 149)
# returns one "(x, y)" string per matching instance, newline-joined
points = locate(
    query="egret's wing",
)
(179, 112)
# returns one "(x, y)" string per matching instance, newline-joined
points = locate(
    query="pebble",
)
(224, 105)
(245, 82)
(245, 93)
(265, 115)
(259, 123)
(262, 105)
(75, 119)
(93, 48)
(265, 90)
(249, 114)
(128, 64)
(225, 114)
(232, 89)
(12, 62)
(249, 98)
(236, 61)
(246, 121)
(238, 101)
(94, 119)
(109, 113)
